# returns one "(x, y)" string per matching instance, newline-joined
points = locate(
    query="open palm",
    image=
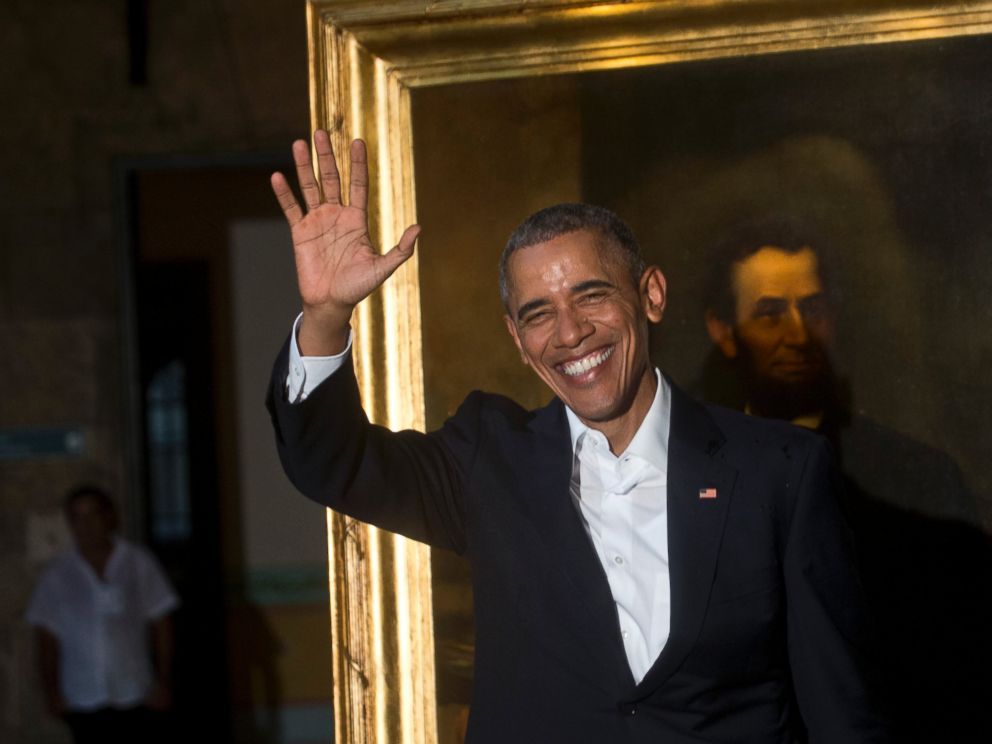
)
(336, 264)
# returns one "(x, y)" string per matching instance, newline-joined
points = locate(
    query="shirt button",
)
(618, 560)
(624, 633)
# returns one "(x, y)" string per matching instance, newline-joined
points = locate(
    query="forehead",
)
(560, 263)
(772, 272)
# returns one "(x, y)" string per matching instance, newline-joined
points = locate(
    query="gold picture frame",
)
(365, 59)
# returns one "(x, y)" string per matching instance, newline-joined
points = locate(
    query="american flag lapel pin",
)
(707, 493)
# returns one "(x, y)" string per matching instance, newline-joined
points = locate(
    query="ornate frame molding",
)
(365, 58)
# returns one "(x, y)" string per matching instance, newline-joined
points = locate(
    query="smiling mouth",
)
(581, 366)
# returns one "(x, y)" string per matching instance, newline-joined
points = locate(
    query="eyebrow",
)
(577, 289)
(528, 306)
(770, 300)
(592, 284)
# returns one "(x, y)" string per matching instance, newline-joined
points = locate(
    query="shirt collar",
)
(115, 551)
(650, 442)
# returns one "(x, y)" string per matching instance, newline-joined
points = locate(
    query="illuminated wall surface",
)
(278, 639)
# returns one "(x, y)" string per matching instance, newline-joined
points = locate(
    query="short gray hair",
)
(560, 219)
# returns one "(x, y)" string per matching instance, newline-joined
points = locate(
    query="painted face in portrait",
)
(581, 323)
(782, 331)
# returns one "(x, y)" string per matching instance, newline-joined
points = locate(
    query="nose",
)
(572, 328)
(796, 332)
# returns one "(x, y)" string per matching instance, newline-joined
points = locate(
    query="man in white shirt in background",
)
(100, 610)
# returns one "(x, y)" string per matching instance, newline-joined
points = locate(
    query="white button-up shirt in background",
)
(623, 503)
(102, 624)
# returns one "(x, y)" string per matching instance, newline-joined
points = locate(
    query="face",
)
(92, 525)
(581, 323)
(783, 326)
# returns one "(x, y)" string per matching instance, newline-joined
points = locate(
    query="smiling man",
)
(645, 569)
(578, 300)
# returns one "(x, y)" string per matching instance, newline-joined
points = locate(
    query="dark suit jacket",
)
(766, 630)
(927, 571)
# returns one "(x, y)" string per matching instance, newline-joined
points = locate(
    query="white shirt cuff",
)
(306, 373)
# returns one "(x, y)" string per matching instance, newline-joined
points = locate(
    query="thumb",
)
(392, 260)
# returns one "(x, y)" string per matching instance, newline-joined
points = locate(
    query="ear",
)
(512, 328)
(722, 334)
(654, 293)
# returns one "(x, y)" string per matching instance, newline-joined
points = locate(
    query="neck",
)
(620, 431)
(97, 553)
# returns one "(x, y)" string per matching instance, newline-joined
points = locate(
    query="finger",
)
(389, 262)
(286, 198)
(408, 239)
(304, 174)
(328, 167)
(359, 190)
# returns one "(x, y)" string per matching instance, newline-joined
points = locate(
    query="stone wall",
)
(221, 77)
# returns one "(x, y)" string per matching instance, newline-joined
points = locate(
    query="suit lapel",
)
(695, 531)
(695, 526)
(548, 464)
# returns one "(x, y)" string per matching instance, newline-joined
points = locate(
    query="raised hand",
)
(336, 264)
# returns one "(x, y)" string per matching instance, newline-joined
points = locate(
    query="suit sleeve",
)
(406, 482)
(828, 632)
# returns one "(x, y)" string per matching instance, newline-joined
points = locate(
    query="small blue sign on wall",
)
(30, 443)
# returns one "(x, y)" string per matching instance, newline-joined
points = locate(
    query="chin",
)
(598, 411)
(589, 410)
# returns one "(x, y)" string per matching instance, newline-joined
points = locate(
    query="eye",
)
(769, 309)
(537, 317)
(592, 298)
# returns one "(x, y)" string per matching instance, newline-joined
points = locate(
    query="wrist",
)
(324, 331)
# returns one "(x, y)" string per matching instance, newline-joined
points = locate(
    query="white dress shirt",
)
(623, 502)
(102, 624)
(306, 373)
(624, 505)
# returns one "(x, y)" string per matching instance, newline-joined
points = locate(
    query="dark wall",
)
(86, 89)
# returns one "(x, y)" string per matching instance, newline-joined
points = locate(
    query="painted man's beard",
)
(787, 399)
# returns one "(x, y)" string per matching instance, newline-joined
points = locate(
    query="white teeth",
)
(584, 365)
